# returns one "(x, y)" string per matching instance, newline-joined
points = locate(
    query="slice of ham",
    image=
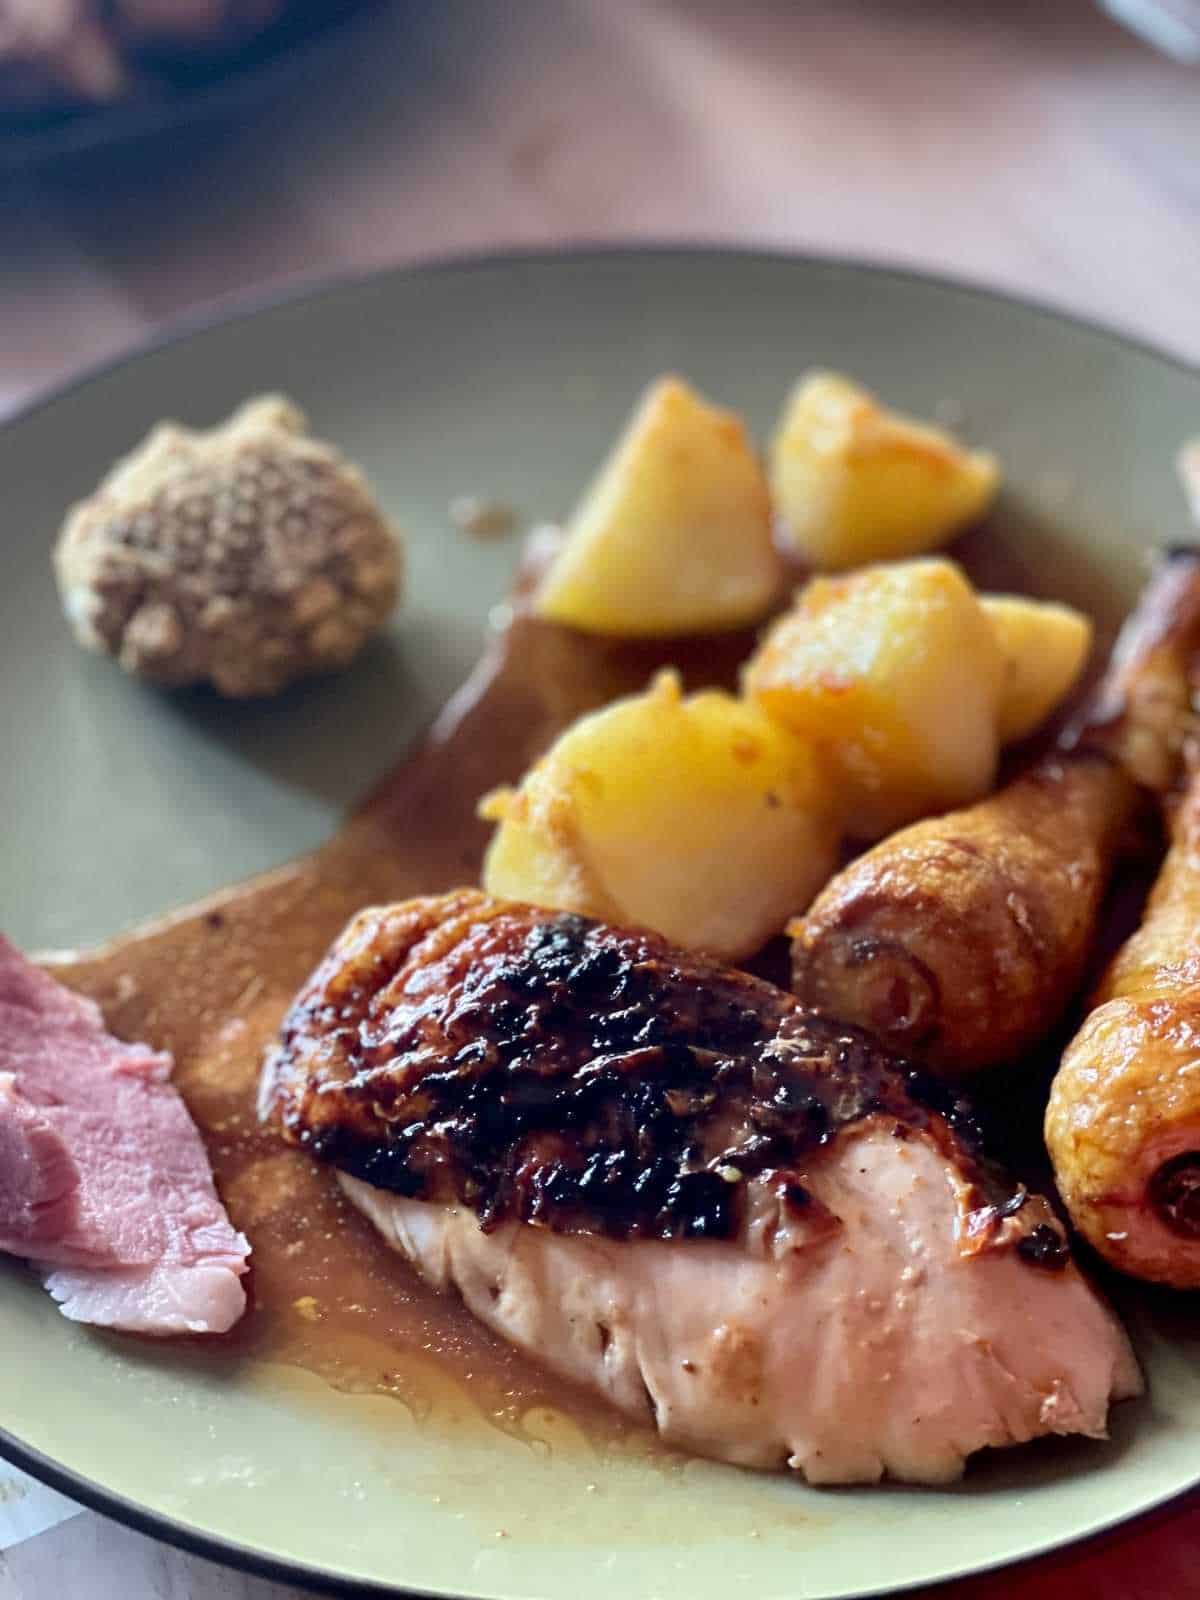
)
(104, 1181)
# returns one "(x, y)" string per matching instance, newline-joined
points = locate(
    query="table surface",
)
(1030, 145)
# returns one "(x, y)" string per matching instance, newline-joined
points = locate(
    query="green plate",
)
(508, 378)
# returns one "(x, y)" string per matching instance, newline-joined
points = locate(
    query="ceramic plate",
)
(508, 378)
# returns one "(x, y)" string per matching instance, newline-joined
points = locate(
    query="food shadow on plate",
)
(1166, 1319)
(1019, 548)
(1164, 1314)
(1044, 1463)
(335, 736)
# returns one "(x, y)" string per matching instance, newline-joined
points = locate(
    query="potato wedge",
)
(698, 817)
(1045, 648)
(854, 483)
(894, 673)
(674, 534)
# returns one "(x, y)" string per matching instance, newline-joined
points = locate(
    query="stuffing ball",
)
(247, 556)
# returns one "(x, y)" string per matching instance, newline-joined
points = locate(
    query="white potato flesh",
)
(853, 482)
(1045, 648)
(698, 817)
(894, 674)
(674, 534)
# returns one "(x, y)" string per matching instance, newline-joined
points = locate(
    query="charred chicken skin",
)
(962, 939)
(671, 1182)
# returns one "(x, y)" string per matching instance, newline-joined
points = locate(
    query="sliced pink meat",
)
(167, 1297)
(104, 1180)
(39, 1181)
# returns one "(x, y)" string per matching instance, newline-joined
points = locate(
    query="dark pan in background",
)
(183, 91)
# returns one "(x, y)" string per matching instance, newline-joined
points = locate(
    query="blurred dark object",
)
(79, 72)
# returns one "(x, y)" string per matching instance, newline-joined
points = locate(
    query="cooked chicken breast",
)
(672, 1183)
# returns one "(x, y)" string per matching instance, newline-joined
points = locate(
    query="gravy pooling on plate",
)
(212, 983)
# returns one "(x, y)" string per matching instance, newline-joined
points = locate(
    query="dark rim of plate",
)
(213, 1547)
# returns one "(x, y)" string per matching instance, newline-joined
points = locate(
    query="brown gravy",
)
(211, 984)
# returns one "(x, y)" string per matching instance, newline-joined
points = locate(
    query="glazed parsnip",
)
(961, 939)
(1123, 1122)
(696, 816)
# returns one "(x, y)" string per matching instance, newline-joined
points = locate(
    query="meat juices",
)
(104, 1182)
(672, 1183)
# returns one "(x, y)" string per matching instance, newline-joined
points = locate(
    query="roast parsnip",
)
(1123, 1122)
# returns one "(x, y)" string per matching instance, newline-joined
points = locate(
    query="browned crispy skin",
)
(961, 940)
(544, 1067)
(1123, 1122)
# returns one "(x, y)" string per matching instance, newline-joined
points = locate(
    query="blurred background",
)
(158, 157)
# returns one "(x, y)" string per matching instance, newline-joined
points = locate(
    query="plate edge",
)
(241, 305)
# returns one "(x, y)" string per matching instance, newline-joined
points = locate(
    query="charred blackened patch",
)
(548, 1068)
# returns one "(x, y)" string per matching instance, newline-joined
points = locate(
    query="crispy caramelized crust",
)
(1123, 1122)
(961, 939)
(542, 1067)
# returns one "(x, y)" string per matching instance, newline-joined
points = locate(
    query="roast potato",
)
(853, 482)
(699, 817)
(674, 534)
(894, 674)
(1045, 648)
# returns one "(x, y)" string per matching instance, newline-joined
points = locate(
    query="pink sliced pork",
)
(105, 1185)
